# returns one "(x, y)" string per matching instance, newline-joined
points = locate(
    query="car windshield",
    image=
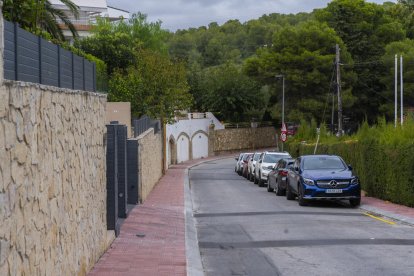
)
(273, 158)
(256, 156)
(323, 163)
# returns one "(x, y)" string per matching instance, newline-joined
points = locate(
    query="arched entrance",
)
(183, 148)
(172, 151)
(199, 143)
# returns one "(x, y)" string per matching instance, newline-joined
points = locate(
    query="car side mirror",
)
(237, 158)
(350, 167)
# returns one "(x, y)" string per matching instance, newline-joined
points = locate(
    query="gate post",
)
(122, 171)
(133, 174)
(112, 179)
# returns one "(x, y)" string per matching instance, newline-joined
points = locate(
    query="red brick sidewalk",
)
(388, 209)
(161, 219)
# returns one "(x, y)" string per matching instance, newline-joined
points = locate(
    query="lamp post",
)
(283, 99)
(283, 96)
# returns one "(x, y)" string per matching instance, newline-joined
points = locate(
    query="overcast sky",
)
(183, 14)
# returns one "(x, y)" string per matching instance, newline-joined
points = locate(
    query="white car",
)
(239, 159)
(264, 165)
(252, 165)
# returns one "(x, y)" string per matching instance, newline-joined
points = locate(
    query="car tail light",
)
(283, 173)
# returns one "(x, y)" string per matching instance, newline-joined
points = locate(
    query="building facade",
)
(89, 10)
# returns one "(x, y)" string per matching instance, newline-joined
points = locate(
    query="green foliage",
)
(116, 44)
(366, 28)
(40, 17)
(228, 92)
(304, 54)
(406, 49)
(154, 86)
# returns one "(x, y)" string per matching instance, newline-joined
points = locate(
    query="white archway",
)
(183, 148)
(200, 145)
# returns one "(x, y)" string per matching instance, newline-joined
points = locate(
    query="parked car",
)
(276, 180)
(245, 163)
(238, 161)
(314, 177)
(252, 165)
(265, 164)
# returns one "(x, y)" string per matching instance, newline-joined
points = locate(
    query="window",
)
(323, 163)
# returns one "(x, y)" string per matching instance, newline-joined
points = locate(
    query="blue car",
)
(314, 177)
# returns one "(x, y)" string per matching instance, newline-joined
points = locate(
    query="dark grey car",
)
(276, 181)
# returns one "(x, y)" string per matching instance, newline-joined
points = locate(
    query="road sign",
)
(283, 137)
(283, 129)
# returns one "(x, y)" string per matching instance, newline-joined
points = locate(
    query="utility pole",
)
(338, 85)
(396, 91)
(402, 90)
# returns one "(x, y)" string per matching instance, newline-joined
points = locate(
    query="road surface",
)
(245, 230)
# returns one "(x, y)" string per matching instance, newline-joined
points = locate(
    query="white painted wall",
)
(183, 149)
(200, 145)
(193, 123)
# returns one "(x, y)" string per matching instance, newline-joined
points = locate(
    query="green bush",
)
(382, 156)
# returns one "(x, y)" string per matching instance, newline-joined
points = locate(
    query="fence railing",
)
(30, 58)
(250, 124)
(144, 123)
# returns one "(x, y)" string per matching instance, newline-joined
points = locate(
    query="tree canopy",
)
(40, 17)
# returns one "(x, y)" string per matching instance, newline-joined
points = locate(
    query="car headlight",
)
(309, 182)
(355, 181)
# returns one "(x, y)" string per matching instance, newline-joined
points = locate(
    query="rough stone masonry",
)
(52, 180)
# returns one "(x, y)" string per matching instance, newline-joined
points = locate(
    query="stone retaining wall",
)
(52, 180)
(150, 161)
(228, 140)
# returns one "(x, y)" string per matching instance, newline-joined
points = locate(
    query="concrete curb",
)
(390, 215)
(194, 265)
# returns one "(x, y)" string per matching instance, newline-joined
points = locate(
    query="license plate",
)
(283, 178)
(334, 191)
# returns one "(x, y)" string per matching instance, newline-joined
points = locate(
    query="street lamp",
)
(283, 99)
(283, 96)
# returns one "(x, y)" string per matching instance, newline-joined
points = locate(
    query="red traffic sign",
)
(283, 129)
(283, 136)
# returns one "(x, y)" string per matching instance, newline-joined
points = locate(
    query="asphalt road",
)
(244, 230)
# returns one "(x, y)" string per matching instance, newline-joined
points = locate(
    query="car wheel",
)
(289, 194)
(355, 202)
(260, 181)
(269, 189)
(301, 200)
(279, 192)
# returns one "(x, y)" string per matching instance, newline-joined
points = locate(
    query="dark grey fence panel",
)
(132, 160)
(89, 76)
(144, 123)
(9, 51)
(28, 56)
(78, 72)
(49, 73)
(32, 59)
(122, 171)
(112, 220)
(65, 66)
